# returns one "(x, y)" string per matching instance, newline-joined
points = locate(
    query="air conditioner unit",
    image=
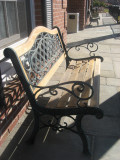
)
(72, 22)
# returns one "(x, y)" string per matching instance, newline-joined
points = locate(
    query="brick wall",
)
(16, 104)
(38, 13)
(60, 16)
(78, 6)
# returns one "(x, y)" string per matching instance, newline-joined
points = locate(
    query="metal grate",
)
(49, 16)
(42, 56)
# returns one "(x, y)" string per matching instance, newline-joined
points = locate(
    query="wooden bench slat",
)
(55, 99)
(82, 72)
(96, 84)
(81, 76)
(86, 72)
(65, 96)
(88, 79)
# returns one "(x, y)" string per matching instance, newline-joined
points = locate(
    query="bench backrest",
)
(36, 60)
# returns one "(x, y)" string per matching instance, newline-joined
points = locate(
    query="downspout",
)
(32, 12)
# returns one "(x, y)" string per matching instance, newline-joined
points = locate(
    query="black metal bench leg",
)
(81, 134)
(35, 129)
(97, 22)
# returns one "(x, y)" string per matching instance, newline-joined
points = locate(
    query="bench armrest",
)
(77, 87)
(91, 49)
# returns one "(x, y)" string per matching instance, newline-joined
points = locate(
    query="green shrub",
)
(97, 3)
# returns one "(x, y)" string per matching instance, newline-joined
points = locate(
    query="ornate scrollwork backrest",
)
(41, 57)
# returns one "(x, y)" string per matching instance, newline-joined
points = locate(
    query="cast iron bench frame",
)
(25, 57)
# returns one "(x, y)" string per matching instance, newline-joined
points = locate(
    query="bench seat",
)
(87, 71)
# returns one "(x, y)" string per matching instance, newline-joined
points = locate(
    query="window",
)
(48, 17)
(13, 21)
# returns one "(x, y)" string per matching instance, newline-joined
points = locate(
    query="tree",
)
(97, 3)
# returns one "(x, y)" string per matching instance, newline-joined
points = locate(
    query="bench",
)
(76, 93)
(94, 18)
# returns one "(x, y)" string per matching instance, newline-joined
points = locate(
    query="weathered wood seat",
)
(77, 89)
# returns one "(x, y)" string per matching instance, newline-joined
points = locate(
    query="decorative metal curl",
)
(77, 48)
(78, 86)
(91, 47)
(54, 123)
(53, 91)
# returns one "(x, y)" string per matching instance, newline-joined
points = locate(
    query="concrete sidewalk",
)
(104, 134)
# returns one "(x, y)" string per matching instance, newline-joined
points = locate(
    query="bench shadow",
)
(15, 100)
(91, 40)
(102, 137)
(106, 131)
(98, 39)
(90, 26)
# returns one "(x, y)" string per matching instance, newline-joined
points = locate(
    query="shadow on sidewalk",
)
(91, 26)
(106, 132)
(91, 40)
(102, 135)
